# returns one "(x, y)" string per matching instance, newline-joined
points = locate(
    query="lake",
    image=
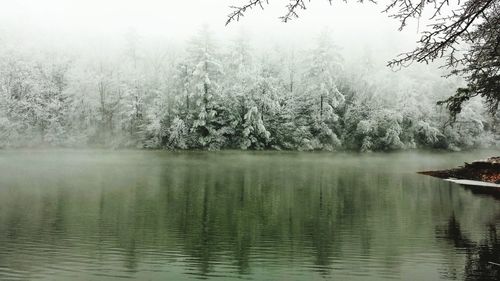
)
(155, 215)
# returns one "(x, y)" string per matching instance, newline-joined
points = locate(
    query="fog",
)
(75, 23)
(148, 140)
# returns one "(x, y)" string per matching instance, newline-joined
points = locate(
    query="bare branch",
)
(239, 11)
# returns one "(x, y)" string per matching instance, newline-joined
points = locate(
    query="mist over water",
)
(147, 140)
(110, 215)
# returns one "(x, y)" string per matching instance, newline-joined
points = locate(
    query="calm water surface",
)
(145, 215)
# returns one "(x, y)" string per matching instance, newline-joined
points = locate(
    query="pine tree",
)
(204, 70)
(324, 97)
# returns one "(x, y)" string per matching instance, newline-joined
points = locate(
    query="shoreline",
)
(481, 176)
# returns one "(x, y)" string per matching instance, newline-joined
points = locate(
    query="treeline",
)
(209, 96)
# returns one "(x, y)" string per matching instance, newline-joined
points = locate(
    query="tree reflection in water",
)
(482, 259)
(260, 216)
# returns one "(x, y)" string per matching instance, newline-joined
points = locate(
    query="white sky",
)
(352, 24)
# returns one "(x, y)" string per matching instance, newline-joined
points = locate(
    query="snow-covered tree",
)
(204, 95)
(204, 71)
(324, 97)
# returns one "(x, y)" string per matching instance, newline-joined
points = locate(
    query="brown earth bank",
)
(487, 170)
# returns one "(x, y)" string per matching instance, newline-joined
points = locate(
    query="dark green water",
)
(109, 215)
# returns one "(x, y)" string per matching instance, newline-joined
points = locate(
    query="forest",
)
(210, 94)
